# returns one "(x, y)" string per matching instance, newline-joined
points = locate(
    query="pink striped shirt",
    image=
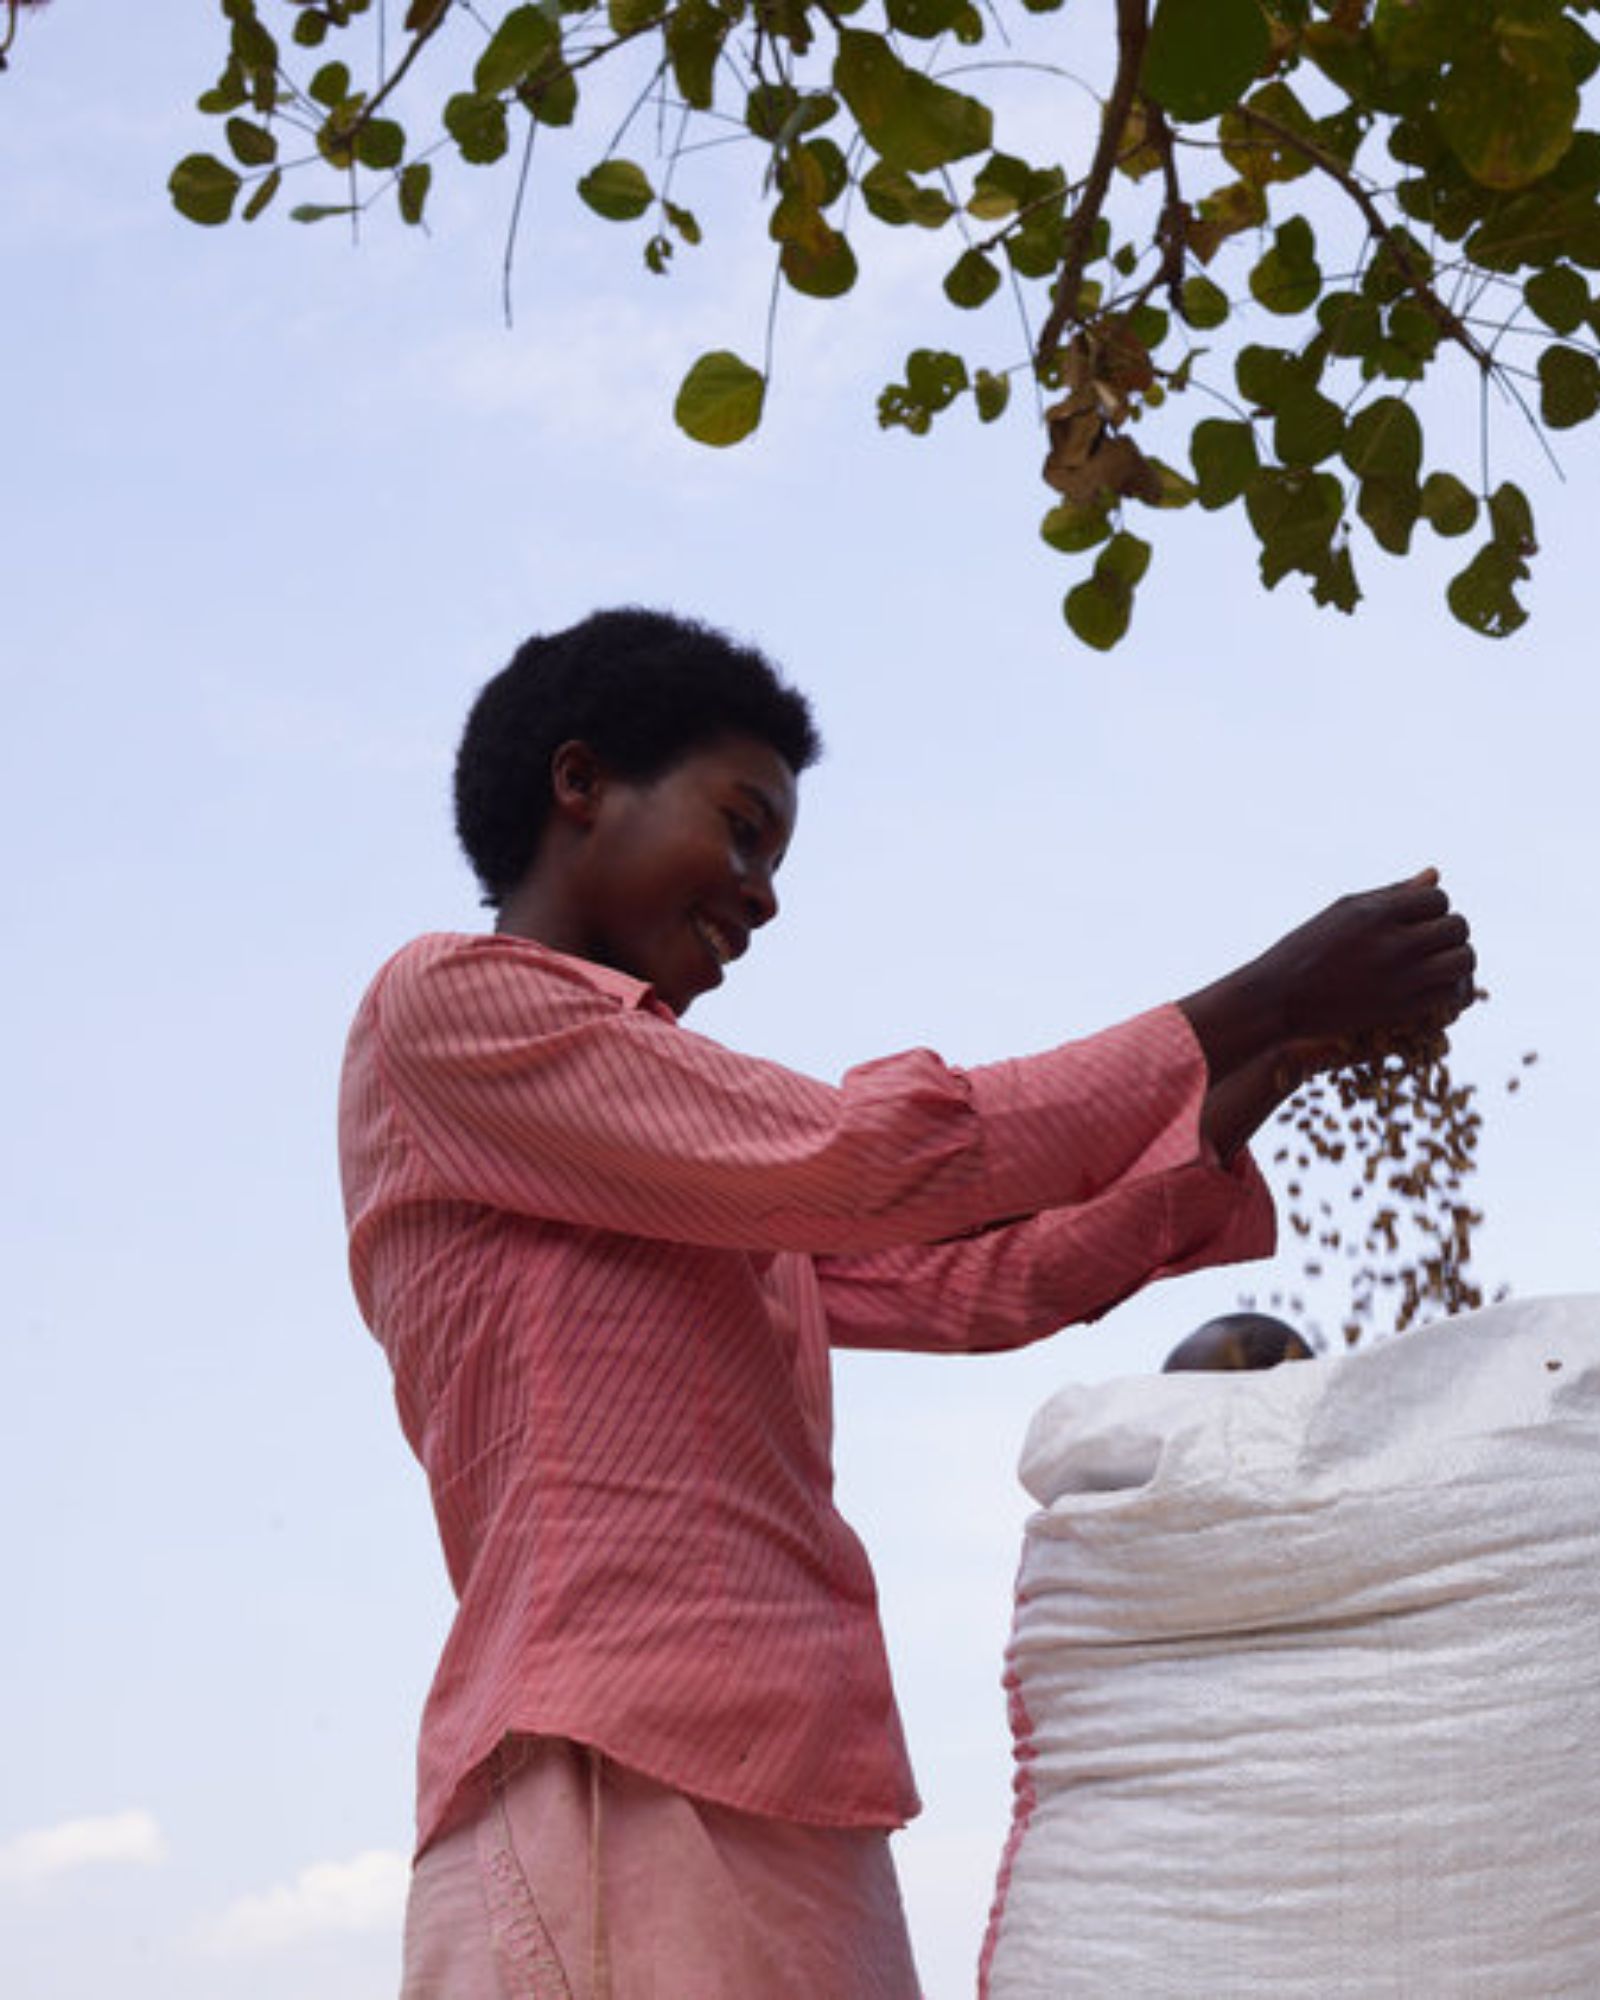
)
(607, 1257)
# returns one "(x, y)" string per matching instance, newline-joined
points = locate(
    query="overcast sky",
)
(274, 509)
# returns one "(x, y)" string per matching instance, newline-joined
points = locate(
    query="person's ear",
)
(577, 782)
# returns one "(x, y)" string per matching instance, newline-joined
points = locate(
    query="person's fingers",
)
(1437, 934)
(1416, 899)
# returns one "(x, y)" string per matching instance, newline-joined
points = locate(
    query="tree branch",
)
(391, 84)
(1133, 27)
(1392, 239)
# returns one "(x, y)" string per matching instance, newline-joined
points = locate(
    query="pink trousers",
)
(581, 1880)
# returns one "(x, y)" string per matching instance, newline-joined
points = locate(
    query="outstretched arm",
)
(1020, 1281)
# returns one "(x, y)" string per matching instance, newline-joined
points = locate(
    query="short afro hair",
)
(644, 689)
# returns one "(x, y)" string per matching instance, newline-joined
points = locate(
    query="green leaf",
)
(1149, 325)
(894, 197)
(331, 85)
(720, 400)
(478, 126)
(310, 28)
(1384, 441)
(523, 40)
(1333, 581)
(1308, 428)
(631, 17)
(1418, 34)
(819, 263)
(617, 189)
(252, 44)
(1075, 526)
(1569, 386)
(1202, 55)
(262, 194)
(695, 33)
(1226, 211)
(1125, 557)
(1483, 596)
(204, 189)
(1000, 187)
(1034, 249)
(228, 93)
(1287, 279)
(1559, 296)
(1389, 275)
(1202, 303)
(1350, 324)
(1448, 507)
(1172, 489)
(381, 145)
(1413, 338)
(1099, 611)
(1511, 519)
(319, 211)
(934, 376)
(909, 120)
(779, 113)
(971, 280)
(1255, 150)
(1225, 460)
(683, 221)
(551, 96)
(992, 393)
(253, 145)
(925, 18)
(1295, 514)
(415, 181)
(1509, 104)
(826, 168)
(1391, 509)
(1264, 374)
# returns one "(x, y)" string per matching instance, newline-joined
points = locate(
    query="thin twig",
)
(516, 219)
(772, 320)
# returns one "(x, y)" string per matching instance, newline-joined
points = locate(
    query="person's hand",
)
(1385, 967)
(1391, 962)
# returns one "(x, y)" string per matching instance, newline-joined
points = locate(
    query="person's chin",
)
(682, 992)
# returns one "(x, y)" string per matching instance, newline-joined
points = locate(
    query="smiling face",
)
(670, 875)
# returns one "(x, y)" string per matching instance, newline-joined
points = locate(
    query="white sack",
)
(1305, 1678)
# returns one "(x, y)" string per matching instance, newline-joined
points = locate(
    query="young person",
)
(607, 1258)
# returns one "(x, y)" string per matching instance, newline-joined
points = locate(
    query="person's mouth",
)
(722, 943)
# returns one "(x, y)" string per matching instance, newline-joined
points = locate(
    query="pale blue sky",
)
(273, 510)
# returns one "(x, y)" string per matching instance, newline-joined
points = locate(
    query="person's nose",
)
(758, 895)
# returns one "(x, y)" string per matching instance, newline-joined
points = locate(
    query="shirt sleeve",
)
(1015, 1283)
(532, 1082)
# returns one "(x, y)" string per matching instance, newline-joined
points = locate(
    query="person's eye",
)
(746, 834)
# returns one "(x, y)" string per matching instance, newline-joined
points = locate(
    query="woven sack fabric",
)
(1305, 1678)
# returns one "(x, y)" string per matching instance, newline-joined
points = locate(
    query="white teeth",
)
(720, 943)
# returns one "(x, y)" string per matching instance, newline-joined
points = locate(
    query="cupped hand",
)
(1391, 962)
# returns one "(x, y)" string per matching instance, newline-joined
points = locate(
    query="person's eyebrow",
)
(762, 799)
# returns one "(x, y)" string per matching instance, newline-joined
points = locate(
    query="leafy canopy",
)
(1311, 209)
